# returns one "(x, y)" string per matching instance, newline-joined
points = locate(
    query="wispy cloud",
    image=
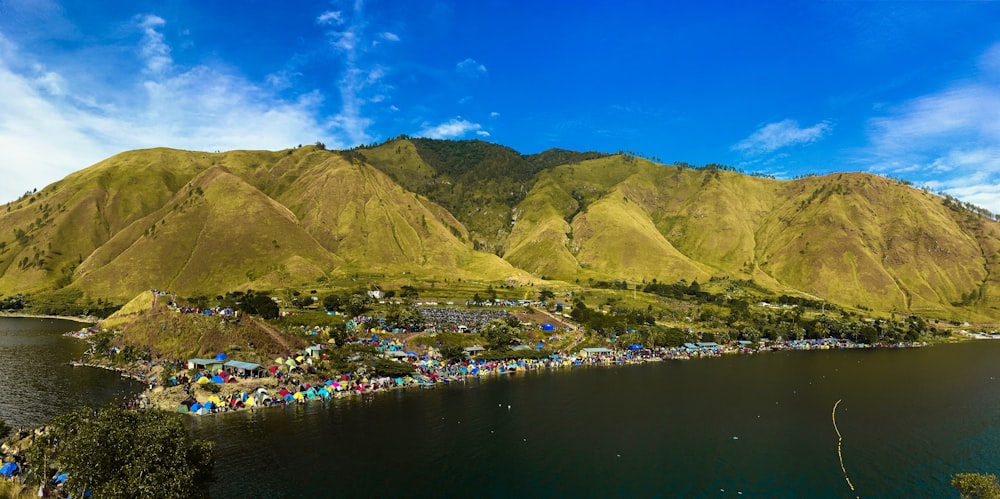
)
(154, 49)
(948, 140)
(452, 129)
(54, 121)
(471, 68)
(785, 133)
(331, 17)
(361, 81)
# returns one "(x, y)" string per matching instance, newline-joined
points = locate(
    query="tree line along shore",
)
(362, 343)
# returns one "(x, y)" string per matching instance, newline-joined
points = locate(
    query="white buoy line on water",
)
(840, 453)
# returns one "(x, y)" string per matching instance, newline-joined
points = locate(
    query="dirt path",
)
(275, 335)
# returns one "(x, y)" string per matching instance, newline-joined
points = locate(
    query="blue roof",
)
(597, 350)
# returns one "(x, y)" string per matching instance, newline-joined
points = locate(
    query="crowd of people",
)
(452, 319)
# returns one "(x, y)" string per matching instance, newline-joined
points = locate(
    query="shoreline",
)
(81, 320)
(243, 394)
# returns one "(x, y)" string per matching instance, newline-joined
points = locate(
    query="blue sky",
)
(905, 89)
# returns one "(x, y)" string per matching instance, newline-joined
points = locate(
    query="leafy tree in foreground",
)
(117, 453)
(976, 485)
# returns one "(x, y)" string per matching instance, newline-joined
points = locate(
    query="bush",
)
(118, 453)
(976, 485)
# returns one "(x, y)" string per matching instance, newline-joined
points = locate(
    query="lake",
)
(726, 427)
(36, 380)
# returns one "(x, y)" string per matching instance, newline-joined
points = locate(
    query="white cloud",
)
(52, 123)
(454, 128)
(471, 68)
(154, 49)
(494, 114)
(361, 81)
(482, 133)
(774, 136)
(968, 111)
(948, 140)
(331, 17)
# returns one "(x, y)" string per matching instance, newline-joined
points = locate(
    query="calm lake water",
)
(757, 425)
(36, 382)
(754, 426)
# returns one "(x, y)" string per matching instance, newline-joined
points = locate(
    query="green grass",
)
(434, 214)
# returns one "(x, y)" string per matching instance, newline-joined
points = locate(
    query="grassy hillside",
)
(216, 233)
(146, 321)
(431, 211)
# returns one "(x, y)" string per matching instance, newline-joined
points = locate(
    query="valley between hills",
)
(471, 214)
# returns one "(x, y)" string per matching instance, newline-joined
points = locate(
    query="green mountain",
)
(200, 223)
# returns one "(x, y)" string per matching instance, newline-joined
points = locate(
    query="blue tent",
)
(195, 407)
(218, 379)
(221, 356)
(289, 398)
(61, 478)
(548, 327)
(635, 346)
(8, 469)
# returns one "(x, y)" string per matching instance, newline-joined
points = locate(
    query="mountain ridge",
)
(207, 223)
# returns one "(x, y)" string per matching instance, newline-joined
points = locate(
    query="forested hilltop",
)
(429, 213)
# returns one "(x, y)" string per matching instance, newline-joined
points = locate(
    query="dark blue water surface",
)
(754, 426)
(36, 380)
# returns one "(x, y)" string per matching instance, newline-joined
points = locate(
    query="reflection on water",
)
(36, 381)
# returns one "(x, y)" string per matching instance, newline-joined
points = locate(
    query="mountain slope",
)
(217, 233)
(200, 223)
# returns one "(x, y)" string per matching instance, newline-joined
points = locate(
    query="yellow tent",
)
(215, 400)
(298, 396)
(203, 380)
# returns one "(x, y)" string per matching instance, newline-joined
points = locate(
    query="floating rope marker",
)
(840, 439)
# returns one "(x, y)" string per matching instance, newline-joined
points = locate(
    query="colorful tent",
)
(8, 469)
